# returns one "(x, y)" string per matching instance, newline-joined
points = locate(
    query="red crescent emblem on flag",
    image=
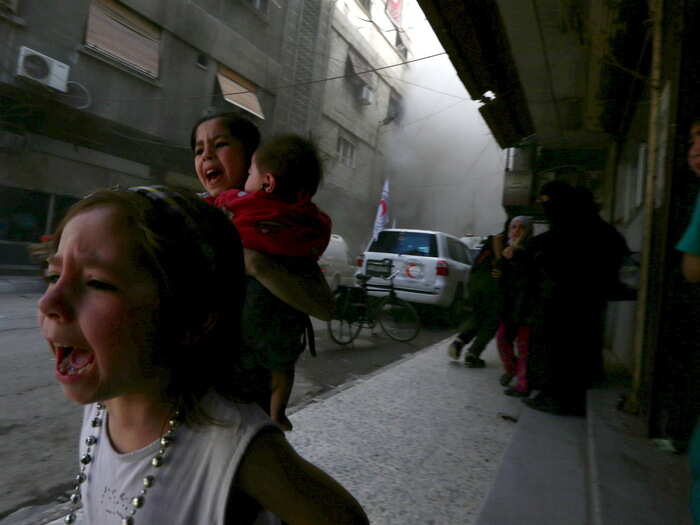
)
(383, 206)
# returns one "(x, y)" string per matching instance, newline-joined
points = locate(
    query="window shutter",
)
(357, 64)
(239, 91)
(122, 34)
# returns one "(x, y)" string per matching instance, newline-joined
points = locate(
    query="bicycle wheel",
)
(398, 319)
(346, 322)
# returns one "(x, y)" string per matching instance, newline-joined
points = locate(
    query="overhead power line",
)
(284, 86)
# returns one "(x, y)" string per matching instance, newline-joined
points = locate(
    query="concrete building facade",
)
(95, 93)
(362, 104)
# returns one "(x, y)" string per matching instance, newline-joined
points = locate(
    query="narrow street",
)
(38, 426)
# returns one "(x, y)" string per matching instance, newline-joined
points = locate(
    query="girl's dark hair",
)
(242, 129)
(294, 162)
(196, 259)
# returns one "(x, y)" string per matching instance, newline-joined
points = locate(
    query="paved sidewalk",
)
(419, 442)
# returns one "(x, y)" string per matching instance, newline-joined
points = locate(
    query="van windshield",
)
(405, 243)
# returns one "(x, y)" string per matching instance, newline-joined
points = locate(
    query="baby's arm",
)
(296, 491)
(309, 294)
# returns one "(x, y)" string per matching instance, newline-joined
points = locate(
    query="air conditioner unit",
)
(366, 96)
(42, 69)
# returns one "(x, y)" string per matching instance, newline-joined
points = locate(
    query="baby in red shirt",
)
(275, 216)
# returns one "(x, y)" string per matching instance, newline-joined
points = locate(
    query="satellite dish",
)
(76, 95)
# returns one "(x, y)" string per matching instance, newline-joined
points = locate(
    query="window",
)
(400, 46)
(394, 111)
(361, 77)
(23, 215)
(240, 92)
(123, 35)
(26, 215)
(457, 251)
(405, 243)
(346, 152)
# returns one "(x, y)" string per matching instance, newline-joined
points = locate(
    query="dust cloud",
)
(444, 166)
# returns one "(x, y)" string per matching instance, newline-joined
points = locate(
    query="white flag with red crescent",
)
(382, 212)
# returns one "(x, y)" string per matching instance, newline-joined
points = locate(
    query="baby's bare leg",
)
(282, 383)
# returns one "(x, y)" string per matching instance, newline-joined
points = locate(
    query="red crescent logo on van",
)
(408, 270)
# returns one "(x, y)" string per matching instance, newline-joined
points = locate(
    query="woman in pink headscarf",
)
(514, 330)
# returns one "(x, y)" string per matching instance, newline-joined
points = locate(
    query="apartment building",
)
(362, 104)
(97, 93)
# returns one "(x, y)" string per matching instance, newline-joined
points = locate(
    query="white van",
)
(336, 264)
(433, 268)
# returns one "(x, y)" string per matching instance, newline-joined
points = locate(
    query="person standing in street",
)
(578, 261)
(145, 289)
(275, 215)
(514, 328)
(223, 146)
(689, 245)
(484, 302)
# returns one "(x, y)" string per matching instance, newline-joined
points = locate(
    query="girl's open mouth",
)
(71, 360)
(212, 175)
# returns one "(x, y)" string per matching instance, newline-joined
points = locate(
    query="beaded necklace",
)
(157, 461)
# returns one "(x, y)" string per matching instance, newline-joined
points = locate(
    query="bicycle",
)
(356, 309)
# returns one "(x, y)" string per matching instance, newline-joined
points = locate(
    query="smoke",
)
(445, 168)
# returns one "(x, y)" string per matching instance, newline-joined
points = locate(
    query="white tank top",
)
(191, 487)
